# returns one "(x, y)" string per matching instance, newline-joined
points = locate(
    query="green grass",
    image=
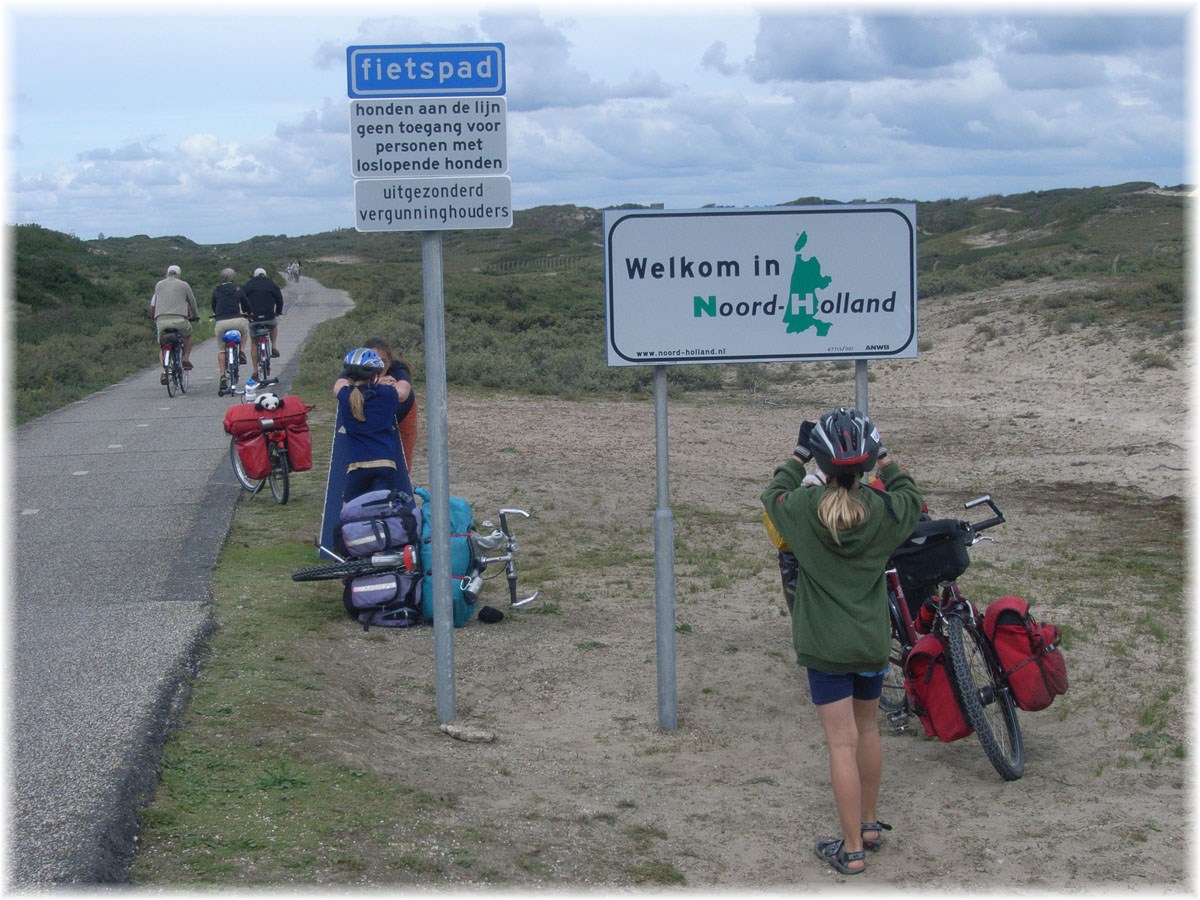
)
(79, 312)
(243, 799)
(525, 306)
(1118, 592)
(248, 799)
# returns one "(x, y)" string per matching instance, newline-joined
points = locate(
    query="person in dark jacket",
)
(230, 310)
(266, 304)
(406, 418)
(842, 534)
(368, 400)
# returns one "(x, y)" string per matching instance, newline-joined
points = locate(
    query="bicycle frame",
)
(279, 475)
(482, 543)
(261, 336)
(509, 557)
(171, 348)
(232, 348)
(952, 616)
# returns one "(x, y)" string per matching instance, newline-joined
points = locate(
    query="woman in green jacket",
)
(842, 534)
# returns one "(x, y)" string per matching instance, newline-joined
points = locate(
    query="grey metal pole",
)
(860, 386)
(439, 470)
(664, 561)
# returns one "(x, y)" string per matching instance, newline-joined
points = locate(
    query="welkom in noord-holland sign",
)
(761, 285)
(428, 137)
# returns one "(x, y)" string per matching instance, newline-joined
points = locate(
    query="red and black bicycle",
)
(924, 599)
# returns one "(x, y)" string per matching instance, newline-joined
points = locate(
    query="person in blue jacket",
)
(368, 401)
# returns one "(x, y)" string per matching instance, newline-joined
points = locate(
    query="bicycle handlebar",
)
(997, 519)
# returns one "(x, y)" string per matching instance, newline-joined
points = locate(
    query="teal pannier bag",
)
(463, 565)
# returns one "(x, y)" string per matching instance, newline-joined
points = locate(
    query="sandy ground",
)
(581, 788)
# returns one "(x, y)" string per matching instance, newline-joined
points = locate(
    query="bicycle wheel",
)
(894, 701)
(351, 568)
(171, 380)
(181, 378)
(253, 485)
(280, 482)
(988, 707)
(264, 360)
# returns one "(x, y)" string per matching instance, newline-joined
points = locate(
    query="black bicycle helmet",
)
(844, 441)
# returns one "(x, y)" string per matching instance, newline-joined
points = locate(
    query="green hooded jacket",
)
(840, 619)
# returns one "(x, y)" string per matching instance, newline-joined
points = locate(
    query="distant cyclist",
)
(230, 310)
(173, 305)
(266, 304)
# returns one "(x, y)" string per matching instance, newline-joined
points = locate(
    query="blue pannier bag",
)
(463, 566)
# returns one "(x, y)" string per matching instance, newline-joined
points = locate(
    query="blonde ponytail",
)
(357, 400)
(839, 509)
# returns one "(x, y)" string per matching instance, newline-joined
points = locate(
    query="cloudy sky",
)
(225, 121)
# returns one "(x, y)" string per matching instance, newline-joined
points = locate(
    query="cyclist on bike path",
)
(230, 309)
(368, 400)
(842, 536)
(173, 305)
(266, 304)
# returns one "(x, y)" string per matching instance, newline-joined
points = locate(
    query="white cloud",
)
(725, 107)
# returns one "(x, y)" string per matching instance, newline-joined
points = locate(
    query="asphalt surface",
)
(120, 505)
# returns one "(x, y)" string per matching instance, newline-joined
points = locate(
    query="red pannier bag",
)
(242, 419)
(293, 415)
(930, 693)
(252, 451)
(1028, 652)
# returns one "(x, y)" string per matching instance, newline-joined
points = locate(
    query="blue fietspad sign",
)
(425, 70)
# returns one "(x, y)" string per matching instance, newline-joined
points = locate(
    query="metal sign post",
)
(467, 140)
(439, 470)
(756, 285)
(860, 386)
(664, 560)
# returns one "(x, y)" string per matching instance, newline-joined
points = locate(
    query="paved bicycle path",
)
(120, 504)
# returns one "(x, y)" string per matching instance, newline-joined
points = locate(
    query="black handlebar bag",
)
(936, 552)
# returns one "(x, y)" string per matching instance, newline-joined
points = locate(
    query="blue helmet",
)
(363, 363)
